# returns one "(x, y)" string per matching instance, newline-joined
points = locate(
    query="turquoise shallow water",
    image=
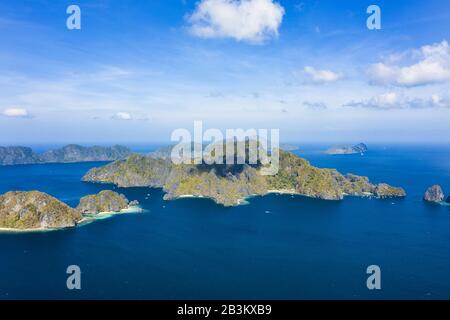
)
(275, 247)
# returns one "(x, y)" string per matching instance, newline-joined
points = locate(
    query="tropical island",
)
(35, 210)
(225, 184)
(70, 153)
(231, 185)
(359, 148)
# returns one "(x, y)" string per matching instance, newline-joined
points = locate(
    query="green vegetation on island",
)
(230, 185)
(34, 210)
(103, 202)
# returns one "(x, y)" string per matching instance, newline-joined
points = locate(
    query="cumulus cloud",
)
(16, 113)
(430, 64)
(122, 116)
(394, 100)
(253, 21)
(321, 76)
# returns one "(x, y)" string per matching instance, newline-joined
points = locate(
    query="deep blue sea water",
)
(276, 247)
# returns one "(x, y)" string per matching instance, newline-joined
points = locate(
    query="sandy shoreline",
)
(104, 215)
(189, 196)
(12, 230)
(282, 191)
(242, 201)
(86, 220)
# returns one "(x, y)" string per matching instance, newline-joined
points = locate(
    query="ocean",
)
(275, 247)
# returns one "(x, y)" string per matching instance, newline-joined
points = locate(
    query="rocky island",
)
(104, 202)
(69, 153)
(435, 194)
(359, 148)
(230, 185)
(34, 210)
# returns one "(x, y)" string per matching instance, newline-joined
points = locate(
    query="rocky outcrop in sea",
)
(103, 202)
(434, 194)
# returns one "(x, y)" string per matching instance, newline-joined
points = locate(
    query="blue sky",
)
(137, 70)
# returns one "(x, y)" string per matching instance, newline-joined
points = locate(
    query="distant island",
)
(67, 154)
(230, 185)
(165, 151)
(359, 148)
(35, 210)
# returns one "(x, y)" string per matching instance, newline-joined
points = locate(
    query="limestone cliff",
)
(231, 184)
(105, 201)
(434, 194)
(35, 210)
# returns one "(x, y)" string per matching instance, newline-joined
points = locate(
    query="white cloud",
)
(394, 100)
(123, 116)
(321, 76)
(126, 116)
(252, 21)
(431, 65)
(16, 113)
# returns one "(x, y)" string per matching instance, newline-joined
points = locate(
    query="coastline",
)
(12, 230)
(189, 196)
(105, 215)
(87, 219)
(245, 200)
(282, 191)
(239, 202)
